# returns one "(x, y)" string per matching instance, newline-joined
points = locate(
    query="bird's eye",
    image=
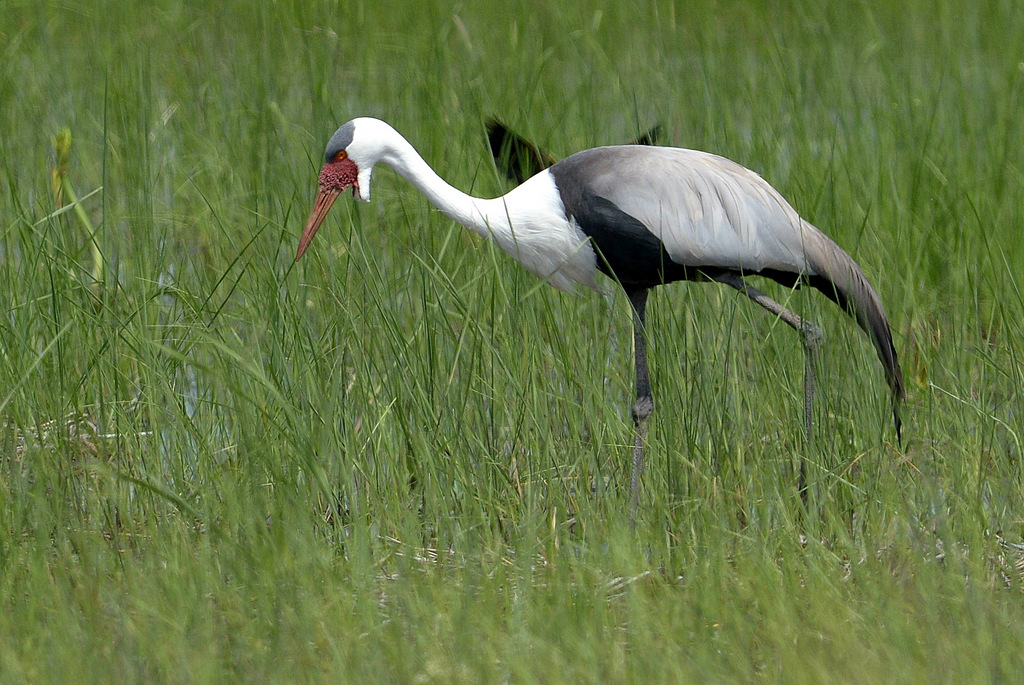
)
(340, 156)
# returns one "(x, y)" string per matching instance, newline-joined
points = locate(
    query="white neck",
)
(529, 222)
(474, 213)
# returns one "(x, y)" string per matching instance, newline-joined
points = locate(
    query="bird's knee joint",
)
(643, 408)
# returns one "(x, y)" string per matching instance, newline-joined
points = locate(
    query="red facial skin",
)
(335, 177)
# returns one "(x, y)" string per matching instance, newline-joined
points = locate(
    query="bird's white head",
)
(348, 162)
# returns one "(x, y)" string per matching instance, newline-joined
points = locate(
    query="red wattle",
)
(338, 176)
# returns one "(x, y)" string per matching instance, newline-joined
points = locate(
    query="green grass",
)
(403, 459)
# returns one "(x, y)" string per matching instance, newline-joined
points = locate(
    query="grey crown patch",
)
(341, 139)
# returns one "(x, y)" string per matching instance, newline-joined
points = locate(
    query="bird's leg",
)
(644, 401)
(812, 337)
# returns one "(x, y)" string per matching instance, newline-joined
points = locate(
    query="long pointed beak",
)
(324, 199)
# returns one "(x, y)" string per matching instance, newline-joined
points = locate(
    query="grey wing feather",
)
(709, 211)
(705, 209)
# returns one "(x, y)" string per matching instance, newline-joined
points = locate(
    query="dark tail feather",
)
(652, 136)
(842, 281)
(514, 155)
(519, 159)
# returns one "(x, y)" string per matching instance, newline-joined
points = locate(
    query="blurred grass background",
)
(405, 460)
